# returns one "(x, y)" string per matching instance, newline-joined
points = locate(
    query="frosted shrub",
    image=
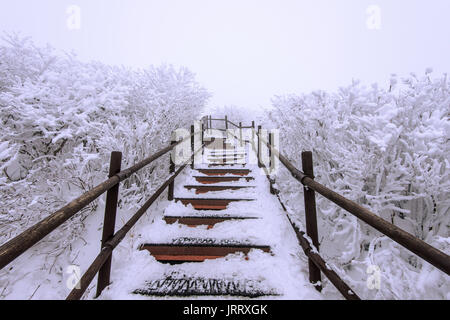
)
(60, 120)
(387, 150)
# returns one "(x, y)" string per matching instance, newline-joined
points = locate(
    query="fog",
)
(245, 52)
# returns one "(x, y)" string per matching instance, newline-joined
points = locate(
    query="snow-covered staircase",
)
(224, 235)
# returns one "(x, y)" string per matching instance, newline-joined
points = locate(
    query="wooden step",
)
(225, 159)
(218, 179)
(180, 285)
(218, 146)
(203, 221)
(231, 152)
(220, 172)
(211, 188)
(209, 204)
(227, 155)
(226, 165)
(176, 253)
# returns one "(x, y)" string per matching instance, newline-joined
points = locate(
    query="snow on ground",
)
(283, 272)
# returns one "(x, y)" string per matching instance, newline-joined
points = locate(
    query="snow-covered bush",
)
(60, 120)
(387, 150)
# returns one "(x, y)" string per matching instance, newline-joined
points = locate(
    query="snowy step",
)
(221, 155)
(196, 252)
(226, 159)
(210, 221)
(218, 179)
(202, 189)
(220, 172)
(219, 146)
(227, 152)
(209, 203)
(176, 285)
(227, 164)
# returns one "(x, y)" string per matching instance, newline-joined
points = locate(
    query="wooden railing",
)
(308, 241)
(310, 244)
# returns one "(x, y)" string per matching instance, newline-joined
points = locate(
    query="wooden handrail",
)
(110, 245)
(312, 252)
(21, 243)
(24, 241)
(427, 252)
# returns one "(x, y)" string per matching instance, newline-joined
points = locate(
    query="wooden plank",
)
(212, 180)
(211, 188)
(167, 253)
(203, 221)
(175, 285)
(219, 172)
(209, 204)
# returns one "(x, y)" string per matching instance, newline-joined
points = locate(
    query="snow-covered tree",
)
(387, 150)
(60, 120)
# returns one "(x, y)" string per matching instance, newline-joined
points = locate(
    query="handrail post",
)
(109, 222)
(271, 140)
(203, 133)
(271, 163)
(259, 147)
(240, 134)
(253, 124)
(203, 137)
(192, 146)
(311, 218)
(253, 135)
(171, 171)
(226, 122)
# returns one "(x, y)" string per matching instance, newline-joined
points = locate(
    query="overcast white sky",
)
(246, 51)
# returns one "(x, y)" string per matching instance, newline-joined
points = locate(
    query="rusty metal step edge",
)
(210, 218)
(223, 170)
(212, 199)
(196, 286)
(176, 253)
(222, 177)
(201, 245)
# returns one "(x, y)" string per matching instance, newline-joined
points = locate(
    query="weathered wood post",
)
(271, 140)
(271, 163)
(240, 134)
(202, 137)
(259, 147)
(109, 222)
(192, 146)
(311, 217)
(253, 134)
(226, 122)
(171, 187)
